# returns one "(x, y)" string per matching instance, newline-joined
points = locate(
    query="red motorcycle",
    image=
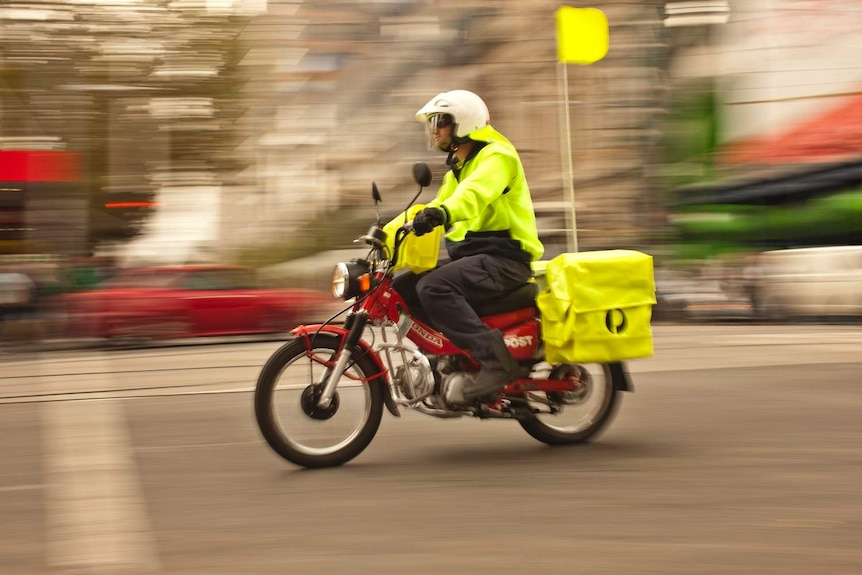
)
(319, 399)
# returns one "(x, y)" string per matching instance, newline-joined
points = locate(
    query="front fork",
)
(355, 325)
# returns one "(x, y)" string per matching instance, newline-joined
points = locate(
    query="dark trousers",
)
(445, 296)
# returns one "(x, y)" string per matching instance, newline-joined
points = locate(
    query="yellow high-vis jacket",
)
(487, 203)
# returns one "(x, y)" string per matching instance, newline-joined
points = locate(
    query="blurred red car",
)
(190, 301)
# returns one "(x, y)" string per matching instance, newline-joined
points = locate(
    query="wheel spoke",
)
(576, 415)
(317, 431)
(581, 408)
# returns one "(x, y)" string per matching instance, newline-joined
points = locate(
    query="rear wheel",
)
(581, 413)
(286, 404)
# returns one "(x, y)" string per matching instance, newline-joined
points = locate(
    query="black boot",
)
(498, 369)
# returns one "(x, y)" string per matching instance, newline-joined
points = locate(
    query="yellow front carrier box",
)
(416, 253)
(596, 306)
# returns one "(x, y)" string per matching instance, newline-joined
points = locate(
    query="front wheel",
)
(287, 413)
(581, 414)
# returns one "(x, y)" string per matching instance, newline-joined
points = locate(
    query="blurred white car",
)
(686, 297)
(818, 282)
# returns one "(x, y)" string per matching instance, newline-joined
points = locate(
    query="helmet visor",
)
(433, 131)
(440, 121)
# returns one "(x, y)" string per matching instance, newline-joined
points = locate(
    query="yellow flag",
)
(582, 35)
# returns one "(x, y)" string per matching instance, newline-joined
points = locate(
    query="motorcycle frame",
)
(384, 304)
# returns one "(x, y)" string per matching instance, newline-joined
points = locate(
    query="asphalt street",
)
(738, 452)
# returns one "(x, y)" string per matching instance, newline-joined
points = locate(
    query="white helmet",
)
(467, 109)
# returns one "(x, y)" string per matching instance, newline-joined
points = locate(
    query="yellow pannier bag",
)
(418, 254)
(597, 306)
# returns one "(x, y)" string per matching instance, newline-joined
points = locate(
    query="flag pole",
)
(582, 38)
(568, 169)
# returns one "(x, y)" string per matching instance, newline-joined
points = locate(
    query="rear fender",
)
(307, 332)
(620, 377)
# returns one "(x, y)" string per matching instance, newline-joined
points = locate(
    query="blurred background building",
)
(250, 130)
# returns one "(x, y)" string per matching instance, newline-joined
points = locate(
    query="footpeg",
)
(500, 408)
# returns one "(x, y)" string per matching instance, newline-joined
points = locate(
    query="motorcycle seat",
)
(521, 297)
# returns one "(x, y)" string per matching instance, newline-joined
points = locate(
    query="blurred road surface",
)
(739, 452)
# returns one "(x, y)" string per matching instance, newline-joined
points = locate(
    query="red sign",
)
(39, 166)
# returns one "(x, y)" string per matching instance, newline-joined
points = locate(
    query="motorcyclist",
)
(491, 236)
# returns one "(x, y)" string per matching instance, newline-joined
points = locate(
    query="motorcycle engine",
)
(452, 386)
(415, 379)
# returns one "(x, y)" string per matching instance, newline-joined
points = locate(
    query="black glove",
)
(428, 219)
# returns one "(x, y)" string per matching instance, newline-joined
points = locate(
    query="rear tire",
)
(548, 428)
(309, 445)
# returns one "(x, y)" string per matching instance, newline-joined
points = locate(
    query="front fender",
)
(306, 332)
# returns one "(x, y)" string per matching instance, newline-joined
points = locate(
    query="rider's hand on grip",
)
(427, 220)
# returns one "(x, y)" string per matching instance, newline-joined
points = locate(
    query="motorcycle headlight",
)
(350, 279)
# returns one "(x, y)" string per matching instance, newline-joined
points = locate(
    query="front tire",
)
(584, 413)
(285, 408)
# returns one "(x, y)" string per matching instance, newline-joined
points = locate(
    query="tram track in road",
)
(128, 371)
(102, 374)
(157, 352)
(130, 393)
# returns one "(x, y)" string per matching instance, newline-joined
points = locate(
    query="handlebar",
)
(405, 229)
